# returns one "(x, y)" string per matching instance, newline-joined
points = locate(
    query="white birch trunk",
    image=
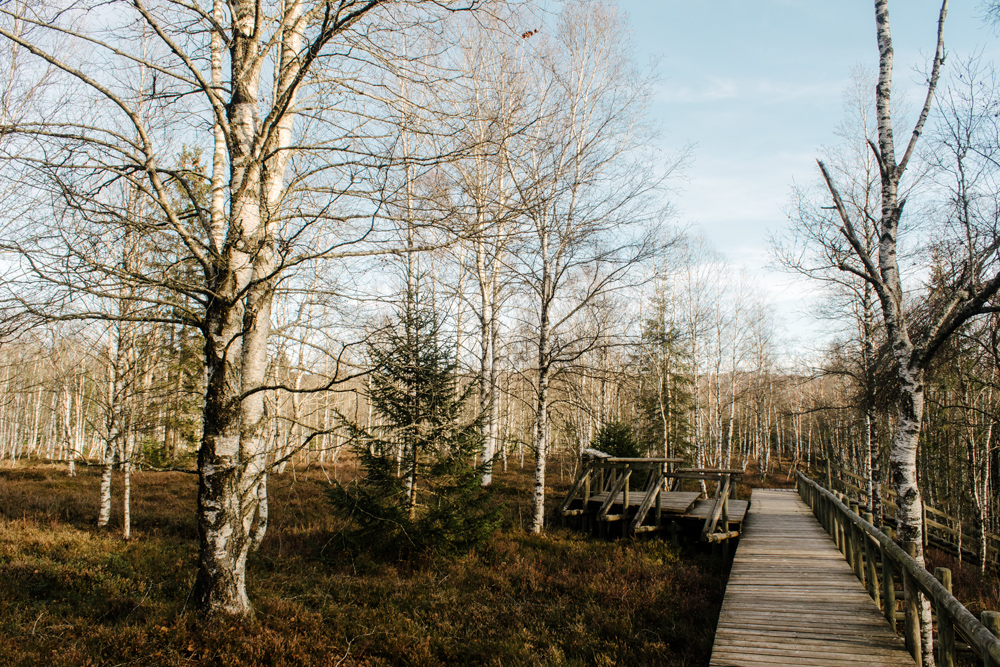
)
(543, 366)
(127, 500)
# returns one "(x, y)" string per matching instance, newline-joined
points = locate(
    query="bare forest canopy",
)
(217, 216)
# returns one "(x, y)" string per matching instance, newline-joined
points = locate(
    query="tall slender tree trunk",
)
(910, 371)
(112, 443)
(127, 499)
(487, 342)
(69, 434)
(541, 443)
(543, 367)
(104, 512)
(873, 463)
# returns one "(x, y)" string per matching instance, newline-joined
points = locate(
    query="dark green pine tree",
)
(617, 439)
(666, 395)
(421, 489)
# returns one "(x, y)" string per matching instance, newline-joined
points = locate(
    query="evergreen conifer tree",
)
(421, 489)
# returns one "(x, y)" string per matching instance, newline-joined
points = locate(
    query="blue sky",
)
(758, 87)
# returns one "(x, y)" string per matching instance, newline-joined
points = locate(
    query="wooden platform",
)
(793, 600)
(701, 508)
(684, 504)
(674, 502)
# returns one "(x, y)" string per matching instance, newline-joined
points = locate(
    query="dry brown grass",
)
(977, 591)
(72, 595)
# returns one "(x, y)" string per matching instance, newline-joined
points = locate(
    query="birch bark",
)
(910, 361)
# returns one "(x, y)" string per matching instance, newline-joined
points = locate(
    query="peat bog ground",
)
(74, 595)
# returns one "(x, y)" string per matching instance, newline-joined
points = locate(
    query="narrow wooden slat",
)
(702, 508)
(792, 599)
(675, 502)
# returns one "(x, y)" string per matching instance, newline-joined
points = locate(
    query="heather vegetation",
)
(71, 595)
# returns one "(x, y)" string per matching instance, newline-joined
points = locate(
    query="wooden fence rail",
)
(941, 530)
(877, 559)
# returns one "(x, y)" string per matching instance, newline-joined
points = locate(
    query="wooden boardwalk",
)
(792, 599)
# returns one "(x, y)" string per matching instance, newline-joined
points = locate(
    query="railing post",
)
(849, 553)
(658, 514)
(872, 574)
(841, 532)
(888, 589)
(834, 523)
(823, 514)
(725, 504)
(846, 526)
(625, 499)
(911, 603)
(946, 629)
(991, 619)
(856, 559)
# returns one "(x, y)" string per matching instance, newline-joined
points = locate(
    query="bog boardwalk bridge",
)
(792, 599)
(814, 582)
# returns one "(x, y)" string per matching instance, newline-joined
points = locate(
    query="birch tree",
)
(490, 112)
(275, 94)
(817, 251)
(585, 191)
(964, 290)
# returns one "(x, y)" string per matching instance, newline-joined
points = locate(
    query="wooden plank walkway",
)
(792, 599)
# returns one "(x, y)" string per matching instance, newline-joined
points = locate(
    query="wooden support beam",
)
(582, 482)
(888, 589)
(991, 619)
(616, 488)
(721, 496)
(722, 537)
(946, 629)
(652, 494)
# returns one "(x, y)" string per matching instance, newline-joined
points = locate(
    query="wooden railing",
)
(613, 476)
(877, 561)
(941, 530)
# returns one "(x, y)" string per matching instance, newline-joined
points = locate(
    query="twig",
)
(148, 589)
(349, 643)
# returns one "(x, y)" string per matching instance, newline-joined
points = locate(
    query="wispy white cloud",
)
(776, 91)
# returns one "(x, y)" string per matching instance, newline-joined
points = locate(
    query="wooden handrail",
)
(635, 464)
(951, 528)
(640, 459)
(835, 516)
